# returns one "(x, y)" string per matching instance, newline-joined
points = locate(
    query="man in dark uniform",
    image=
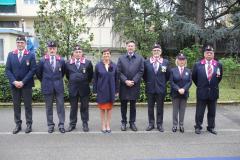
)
(130, 67)
(79, 72)
(50, 72)
(207, 74)
(156, 75)
(20, 69)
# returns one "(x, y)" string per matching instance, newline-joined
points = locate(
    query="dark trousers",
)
(59, 106)
(200, 110)
(17, 96)
(132, 111)
(159, 100)
(84, 109)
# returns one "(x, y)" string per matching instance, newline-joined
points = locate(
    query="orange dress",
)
(104, 106)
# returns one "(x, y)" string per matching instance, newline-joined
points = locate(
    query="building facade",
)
(17, 17)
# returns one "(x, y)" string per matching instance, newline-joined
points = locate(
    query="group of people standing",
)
(110, 80)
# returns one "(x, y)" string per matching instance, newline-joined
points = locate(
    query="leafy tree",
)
(206, 21)
(139, 20)
(62, 21)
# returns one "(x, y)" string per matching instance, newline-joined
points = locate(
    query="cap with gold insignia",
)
(77, 47)
(51, 44)
(181, 56)
(20, 38)
(156, 46)
(208, 48)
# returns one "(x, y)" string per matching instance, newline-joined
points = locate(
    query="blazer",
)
(105, 82)
(21, 71)
(79, 79)
(207, 89)
(178, 81)
(51, 80)
(156, 82)
(130, 68)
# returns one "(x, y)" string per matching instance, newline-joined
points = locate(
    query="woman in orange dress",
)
(106, 87)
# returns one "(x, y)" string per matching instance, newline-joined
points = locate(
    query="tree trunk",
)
(200, 5)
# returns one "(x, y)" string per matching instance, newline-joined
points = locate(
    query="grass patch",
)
(229, 90)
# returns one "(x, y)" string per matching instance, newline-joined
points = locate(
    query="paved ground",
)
(39, 145)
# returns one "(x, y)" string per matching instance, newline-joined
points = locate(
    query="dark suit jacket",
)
(51, 80)
(23, 71)
(105, 82)
(177, 81)
(207, 89)
(130, 68)
(79, 79)
(156, 83)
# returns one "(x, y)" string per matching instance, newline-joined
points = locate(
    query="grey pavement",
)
(39, 145)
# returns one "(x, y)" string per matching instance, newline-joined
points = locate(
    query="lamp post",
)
(22, 20)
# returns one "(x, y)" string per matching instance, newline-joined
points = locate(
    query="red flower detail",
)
(214, 62)
(25, 52)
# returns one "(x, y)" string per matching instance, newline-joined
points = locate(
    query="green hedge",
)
(5, 93)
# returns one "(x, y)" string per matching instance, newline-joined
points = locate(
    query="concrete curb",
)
(117, 104)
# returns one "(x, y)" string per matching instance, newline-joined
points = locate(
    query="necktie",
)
(209, 71)
(20, 56)
(78, 64)
(155, 66)
(181, 73)
(52, 63)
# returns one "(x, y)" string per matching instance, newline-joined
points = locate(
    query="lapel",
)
(48, 64)
(58, 66)
(203, 70)
(15, 59)
(23, 59)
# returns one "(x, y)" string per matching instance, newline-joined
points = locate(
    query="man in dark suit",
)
(207, 74)
(130, 67)
(50, 72)
(156, 75)
(79, 72)
(20, 69)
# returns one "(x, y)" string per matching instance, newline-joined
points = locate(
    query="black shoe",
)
(197, 131)
(50, 130)
(174, 129)
(108, 131)
(133, 127)
(70, 128)
(28, 129)
(211, 130)
(62, 130)
(85, 127)
(150, 127)
(123, 127)
(104, 131)
(181, 129)
(17, 129)
(160, 128)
